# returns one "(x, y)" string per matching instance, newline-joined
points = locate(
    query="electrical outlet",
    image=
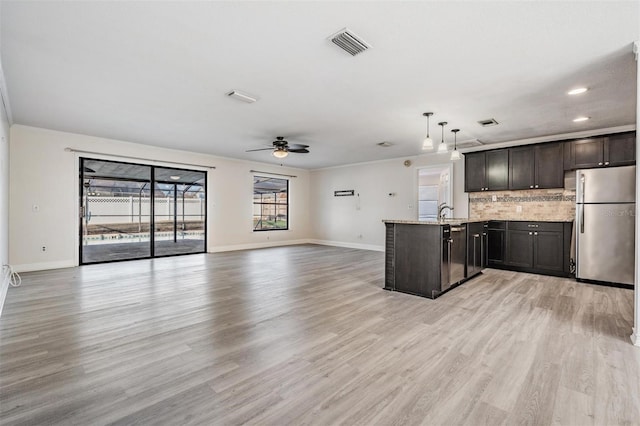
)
(494, 198)
(518, 209)
(44, 248)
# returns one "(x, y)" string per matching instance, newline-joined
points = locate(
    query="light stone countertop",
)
(454, 221)
(460, 221)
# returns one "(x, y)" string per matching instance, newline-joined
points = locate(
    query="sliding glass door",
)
(179, 214)
(135, 211)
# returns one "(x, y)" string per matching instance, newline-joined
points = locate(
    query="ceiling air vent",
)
(488, 122)
(346, 40)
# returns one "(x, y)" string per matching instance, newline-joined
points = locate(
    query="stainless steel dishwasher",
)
(454, 256)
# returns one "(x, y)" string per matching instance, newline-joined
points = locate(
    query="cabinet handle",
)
(530, 186)
(535, 233)
(599, 164)
(606, 163)
(530, 233)
(484, 233)
(536, 186)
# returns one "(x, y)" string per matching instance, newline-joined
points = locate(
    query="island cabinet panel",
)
(487, 171)
(413, 259)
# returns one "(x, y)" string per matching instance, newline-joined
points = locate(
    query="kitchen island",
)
(429, 258)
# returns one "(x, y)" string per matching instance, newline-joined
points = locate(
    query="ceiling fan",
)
(281, 148)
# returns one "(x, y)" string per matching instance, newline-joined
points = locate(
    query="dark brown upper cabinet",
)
(486, 171)
(620, 149)
(606, 151)
(536, 167)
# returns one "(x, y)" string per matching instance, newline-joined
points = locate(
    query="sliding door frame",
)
(81, 215)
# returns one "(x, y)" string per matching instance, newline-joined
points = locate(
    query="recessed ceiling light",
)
(579, 119)
(174, 177)
(384, 144)
(577, 91)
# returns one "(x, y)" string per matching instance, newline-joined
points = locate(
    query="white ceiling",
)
(157, 72)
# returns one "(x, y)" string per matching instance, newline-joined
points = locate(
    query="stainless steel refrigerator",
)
(605, 224)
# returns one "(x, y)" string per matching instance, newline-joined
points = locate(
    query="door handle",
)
(582, 219)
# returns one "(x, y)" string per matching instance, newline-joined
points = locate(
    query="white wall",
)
(357, 221)
(4, 190)
(635, 336)
(43, 174)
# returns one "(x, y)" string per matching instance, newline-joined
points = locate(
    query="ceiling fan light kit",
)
(281, 148)
(280, 153)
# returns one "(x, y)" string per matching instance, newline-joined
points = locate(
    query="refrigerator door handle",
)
(582, 218)
(583, 185)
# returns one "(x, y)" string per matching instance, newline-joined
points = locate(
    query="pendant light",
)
(442, 148)
(427, 143)
(455, 154)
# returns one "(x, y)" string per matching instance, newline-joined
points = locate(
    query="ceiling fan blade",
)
(260, 149)
(299, 150)
(297, 146)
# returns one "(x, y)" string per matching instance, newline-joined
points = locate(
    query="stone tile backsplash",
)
(535, 204)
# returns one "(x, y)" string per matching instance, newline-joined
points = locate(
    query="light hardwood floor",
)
(306, 335)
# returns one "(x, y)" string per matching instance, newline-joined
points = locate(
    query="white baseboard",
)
(43, 266)
(236, 247)
(371, 247)
(635, 338)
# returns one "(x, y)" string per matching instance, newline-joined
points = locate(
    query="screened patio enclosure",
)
(136, 211)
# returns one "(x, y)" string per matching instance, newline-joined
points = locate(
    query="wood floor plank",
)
(306, 335)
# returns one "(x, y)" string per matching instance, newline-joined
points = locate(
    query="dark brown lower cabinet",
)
(476, 236)
(548, 250)
(520, 248)
(496, 243)
(537, 247)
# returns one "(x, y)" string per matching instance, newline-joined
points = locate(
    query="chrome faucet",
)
(441, 209)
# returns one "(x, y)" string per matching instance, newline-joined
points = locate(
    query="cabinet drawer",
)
(537, 226)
